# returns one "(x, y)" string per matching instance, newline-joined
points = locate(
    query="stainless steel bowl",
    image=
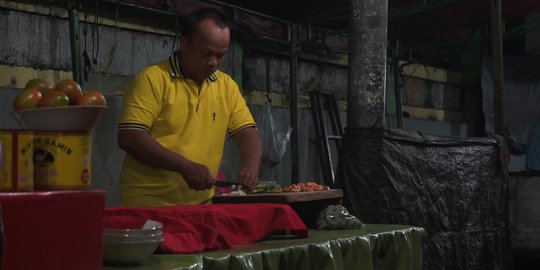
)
(68, 118)
(131, 232)
(150, 227)
(131, 237)
(126, 253)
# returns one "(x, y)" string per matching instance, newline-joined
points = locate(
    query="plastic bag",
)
(335, 217)
(275, 136)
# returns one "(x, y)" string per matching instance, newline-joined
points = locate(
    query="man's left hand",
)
(248, 177)
(249, 148)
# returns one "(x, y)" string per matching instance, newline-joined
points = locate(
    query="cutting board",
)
(283, 197)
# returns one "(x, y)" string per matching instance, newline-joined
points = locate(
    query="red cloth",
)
(52, 230)
(195, 228)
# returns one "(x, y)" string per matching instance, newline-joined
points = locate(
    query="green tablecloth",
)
(395, 247)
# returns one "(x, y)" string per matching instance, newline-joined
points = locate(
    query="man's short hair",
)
(191, 22)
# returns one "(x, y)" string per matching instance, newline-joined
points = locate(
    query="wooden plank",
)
(18, 76)
(283, 197)
(431, 73)
(434, 114)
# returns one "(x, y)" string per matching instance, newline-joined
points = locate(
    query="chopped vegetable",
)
(236, 191)
(301, 187)
(265, 187)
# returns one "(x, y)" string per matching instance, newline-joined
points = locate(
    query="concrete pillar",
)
(367, 63)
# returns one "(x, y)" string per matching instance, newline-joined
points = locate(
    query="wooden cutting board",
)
(283, 197)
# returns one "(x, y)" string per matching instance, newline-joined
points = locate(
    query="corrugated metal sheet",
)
(408, 19)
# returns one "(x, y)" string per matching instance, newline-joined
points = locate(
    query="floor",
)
(526, 261)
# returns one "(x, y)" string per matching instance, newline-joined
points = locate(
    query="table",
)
(307, 204)
(375, 246)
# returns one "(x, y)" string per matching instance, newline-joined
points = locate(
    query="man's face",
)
(204, 50)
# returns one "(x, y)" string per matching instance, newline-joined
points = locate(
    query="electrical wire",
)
(95, 34)
(86, 58)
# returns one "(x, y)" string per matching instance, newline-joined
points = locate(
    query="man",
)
(174, 119)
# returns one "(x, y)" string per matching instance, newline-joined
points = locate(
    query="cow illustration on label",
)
(44, 163)
(61, 160)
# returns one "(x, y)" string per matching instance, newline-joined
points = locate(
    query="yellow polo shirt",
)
(184, 119)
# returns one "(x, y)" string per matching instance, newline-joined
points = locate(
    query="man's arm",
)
(249, 148)
(146, 149)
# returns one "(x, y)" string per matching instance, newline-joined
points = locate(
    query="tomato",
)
(27, 99)
(41, 85)
(71, 88)
(93, 97)
(53, 98)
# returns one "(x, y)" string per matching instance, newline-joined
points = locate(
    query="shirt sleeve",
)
(141, 104)
(240, 117)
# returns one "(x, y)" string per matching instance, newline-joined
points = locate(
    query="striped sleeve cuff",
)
(240, 128)
(124, 126)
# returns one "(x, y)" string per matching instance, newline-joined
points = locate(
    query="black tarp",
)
(454, 188)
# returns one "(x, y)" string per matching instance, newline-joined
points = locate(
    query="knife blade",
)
(226, 184)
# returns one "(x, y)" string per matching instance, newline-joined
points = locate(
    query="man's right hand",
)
(197, 176)
(146, 149)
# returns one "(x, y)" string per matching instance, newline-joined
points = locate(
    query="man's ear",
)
(184, 41)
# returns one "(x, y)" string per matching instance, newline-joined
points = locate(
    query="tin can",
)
(16, 166)
(61, 160)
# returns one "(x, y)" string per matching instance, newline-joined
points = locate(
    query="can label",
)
(61, 160)
(16, 167)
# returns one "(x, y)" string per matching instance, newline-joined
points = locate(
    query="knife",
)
(226, 184)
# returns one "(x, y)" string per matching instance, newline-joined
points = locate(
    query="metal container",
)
(16, 166)
(129, 252)
(68, 118)
(62, 160)
(131, 246)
